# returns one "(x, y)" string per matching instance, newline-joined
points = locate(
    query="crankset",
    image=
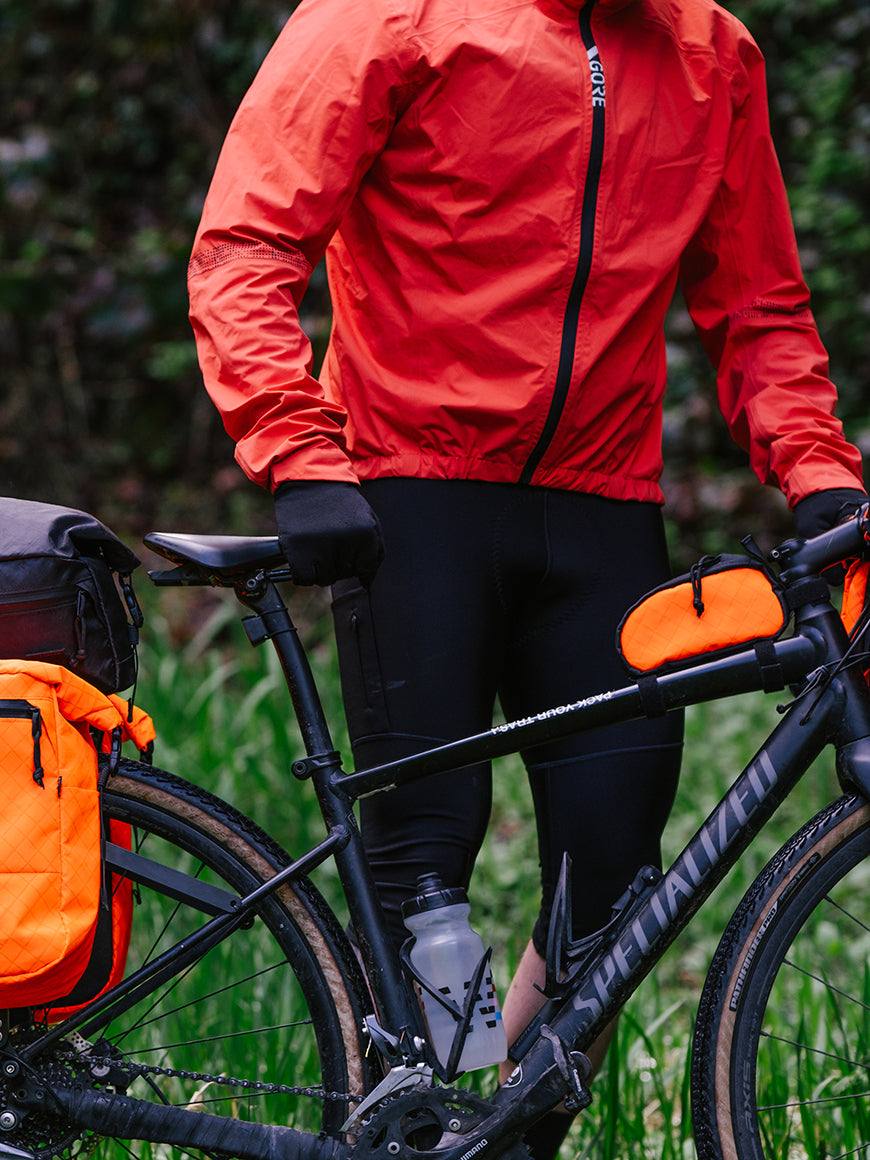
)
(425, 1120)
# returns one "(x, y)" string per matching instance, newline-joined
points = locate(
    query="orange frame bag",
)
(724, 604)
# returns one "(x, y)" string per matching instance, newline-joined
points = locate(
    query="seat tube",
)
(322, 766)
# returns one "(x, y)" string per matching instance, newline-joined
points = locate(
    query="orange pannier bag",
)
(51, 723)
(725, 604)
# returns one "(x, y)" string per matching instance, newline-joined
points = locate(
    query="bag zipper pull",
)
(695, 575)
(36, 730)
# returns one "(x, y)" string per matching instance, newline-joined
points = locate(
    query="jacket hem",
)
(488, 469)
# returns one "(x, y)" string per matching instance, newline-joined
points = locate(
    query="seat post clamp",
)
(306, 766)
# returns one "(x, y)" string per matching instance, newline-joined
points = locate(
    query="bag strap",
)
(136, 726)
(772, 678)
(651, 698)
(20, 710)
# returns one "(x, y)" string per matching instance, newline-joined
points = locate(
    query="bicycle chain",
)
(269, 1089)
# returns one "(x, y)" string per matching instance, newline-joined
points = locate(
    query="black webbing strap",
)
(772, 678)
(651, 696)
(806, 591)
(25, 711)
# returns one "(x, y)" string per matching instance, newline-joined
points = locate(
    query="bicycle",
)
(236, 920)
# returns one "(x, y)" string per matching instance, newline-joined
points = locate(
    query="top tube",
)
(707, 681)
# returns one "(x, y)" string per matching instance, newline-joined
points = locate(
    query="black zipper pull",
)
(81, 609)
(36, 729)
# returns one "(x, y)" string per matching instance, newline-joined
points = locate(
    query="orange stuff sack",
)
(726, 603)
(855, 598)
(50, 841)
(854, 593)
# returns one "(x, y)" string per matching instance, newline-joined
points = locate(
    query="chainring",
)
(418, 1121)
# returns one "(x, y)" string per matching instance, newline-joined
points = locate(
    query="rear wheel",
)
(781, 1061)
(265, 1027)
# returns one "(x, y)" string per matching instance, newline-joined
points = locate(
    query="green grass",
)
(223, 720)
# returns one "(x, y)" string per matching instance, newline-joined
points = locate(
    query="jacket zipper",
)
(584, 260)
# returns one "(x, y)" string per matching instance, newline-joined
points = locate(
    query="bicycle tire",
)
(781, 1054)
(278, 1003)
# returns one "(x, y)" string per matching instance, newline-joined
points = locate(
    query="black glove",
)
(823, 510)
(327, 531)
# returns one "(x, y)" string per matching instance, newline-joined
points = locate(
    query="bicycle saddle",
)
(219, 555)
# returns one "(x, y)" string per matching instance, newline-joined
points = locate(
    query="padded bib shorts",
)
(497, 591)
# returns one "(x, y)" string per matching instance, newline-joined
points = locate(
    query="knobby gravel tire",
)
(781, 1057)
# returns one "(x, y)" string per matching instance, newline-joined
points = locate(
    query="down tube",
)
(710, 854)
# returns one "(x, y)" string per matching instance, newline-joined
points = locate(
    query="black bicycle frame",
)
(832, 707)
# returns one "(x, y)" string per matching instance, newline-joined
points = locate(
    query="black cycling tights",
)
(500, 591)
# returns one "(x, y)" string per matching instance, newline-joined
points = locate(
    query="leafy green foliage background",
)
(111, 117)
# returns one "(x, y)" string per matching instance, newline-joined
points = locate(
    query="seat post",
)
(273, 622)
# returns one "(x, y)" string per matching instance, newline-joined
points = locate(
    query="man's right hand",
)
(327, 531)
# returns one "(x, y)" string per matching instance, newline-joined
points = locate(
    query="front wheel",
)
(266, 1027)
(781, 1058)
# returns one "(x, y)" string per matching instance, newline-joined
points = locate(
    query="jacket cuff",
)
(809, 483)
(312, 463)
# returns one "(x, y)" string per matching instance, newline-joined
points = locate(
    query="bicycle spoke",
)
(262, 1030)
(210, 995)
(820, 1101)
(815, 1050)
(829, 987)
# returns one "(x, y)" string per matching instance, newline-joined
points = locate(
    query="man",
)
(507, 195)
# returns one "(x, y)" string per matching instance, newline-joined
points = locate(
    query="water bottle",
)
(446, 953)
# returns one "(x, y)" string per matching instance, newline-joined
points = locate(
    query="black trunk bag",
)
(65, 593)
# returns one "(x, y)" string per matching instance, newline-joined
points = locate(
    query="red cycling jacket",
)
(507, 194)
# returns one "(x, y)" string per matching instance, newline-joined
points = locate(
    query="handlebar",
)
(798, 558)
